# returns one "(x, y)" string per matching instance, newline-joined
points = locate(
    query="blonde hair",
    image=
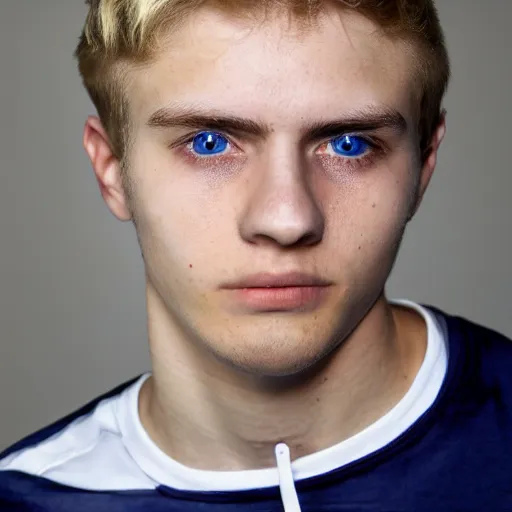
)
(127, 31)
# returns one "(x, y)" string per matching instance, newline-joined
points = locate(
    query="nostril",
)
(309, 239)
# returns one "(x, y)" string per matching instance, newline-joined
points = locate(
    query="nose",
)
(281, 206)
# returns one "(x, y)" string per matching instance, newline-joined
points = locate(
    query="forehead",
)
(274, 70)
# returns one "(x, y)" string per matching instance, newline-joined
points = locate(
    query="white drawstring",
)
(286, 482)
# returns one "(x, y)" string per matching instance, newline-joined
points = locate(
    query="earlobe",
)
(107, 168)
(430, 162)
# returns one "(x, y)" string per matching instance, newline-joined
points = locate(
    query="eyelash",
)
(375, 149)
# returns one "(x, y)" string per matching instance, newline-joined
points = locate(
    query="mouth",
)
(290, 292)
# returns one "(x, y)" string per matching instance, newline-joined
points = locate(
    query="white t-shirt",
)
(108, 448)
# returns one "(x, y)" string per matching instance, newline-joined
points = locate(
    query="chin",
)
(278, 358)
(274, 345)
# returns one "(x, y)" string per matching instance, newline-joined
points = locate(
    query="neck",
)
(209, 416)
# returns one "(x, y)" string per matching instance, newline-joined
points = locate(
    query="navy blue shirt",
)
(456, 457)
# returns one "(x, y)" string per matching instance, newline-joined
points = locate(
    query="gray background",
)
(72, 310)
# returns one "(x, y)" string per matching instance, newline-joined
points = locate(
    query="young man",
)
(270, 155)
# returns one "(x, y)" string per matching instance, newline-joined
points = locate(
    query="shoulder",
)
(84, 450)
(491, 345)
(480, 358)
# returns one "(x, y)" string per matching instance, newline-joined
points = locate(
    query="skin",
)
(229, 383)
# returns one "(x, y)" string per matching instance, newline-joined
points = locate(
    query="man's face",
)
(268, 240)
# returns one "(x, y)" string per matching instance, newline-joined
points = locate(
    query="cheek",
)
(179, 223)
(182, 226)
(368, 214)
(181, 246)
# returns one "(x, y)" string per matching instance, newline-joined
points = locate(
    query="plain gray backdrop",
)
(72, 306)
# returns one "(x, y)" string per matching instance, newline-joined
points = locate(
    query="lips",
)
(267, 280)
(290, 292)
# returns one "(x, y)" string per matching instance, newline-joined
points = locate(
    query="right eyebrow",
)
(192, 118)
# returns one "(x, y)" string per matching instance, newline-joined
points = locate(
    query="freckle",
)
(318, 400)
(359, 248)
(374, 205)
(326, 379)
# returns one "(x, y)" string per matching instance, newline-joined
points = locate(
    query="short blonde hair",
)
(127, 31)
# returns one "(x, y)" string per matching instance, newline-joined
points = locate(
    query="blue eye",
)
(350, 146)
(209, 143)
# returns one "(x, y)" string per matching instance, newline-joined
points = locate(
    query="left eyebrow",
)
(365, 120)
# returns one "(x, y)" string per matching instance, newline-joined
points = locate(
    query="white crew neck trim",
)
(419, 398)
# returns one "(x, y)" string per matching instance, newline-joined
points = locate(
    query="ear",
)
(430, 162)
(107, 168)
